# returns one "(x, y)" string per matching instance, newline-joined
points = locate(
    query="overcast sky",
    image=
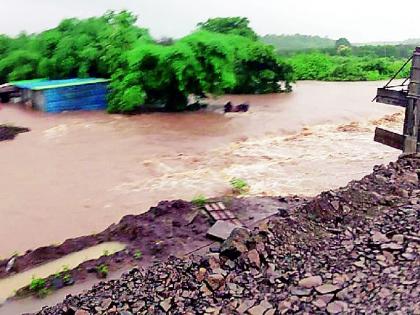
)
(358, 20)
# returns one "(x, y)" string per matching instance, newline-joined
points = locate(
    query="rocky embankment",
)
(354, 250)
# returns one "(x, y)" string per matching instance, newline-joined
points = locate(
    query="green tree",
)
(19, 65)
(167, 75)
(258, 68)
(342, 42)
(231, 25)
(224, 55)
(343, 50)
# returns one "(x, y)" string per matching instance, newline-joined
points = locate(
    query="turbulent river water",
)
(76, 173)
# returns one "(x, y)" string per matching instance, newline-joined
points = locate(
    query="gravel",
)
(354, 250)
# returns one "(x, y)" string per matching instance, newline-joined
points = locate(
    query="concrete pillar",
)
(412, 113)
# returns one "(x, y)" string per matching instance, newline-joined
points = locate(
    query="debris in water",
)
(8, 132)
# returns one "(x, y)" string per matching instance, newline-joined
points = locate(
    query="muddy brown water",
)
(76, 173)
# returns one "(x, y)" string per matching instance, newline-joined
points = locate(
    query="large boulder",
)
(236, 244)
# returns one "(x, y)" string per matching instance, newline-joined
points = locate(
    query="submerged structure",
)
(406, 95)
(55, 96)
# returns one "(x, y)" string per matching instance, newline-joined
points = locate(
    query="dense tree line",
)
(372, 51)
(223, 55)
(288, 45)
(291, 43)
(345, 62)
(321, 66)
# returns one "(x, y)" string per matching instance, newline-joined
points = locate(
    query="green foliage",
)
(43, 293)
(75, 48)
(230, 25)
(197, 64)
(297, 42)
(18, 65)
(343, 50)
(102, 270)
(39, 287)
(138, 254)
(314, 66)
(199, 201)
(319, 66)
(239, 186)
(37, 284)
(391, 51)
(223, 55)
(342, 42)
(64, 274)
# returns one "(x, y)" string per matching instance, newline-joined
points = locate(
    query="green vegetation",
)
(37, 284)
(102, 270)
(233, 26)
(64, 274)
(223, 55)
(138, 254)
(316, 58)
(199, 201)
(39, 287)
(287, 45)
(239, 186)
(297, 42)
(321, 66)
(370, 51)
(201, 63)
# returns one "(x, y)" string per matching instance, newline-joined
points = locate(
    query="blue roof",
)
(43, 84)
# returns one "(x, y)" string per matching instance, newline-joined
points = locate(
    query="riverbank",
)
(117, 165)
(175, 228)
(348, 250)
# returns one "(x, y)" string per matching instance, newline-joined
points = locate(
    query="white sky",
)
(358, 20)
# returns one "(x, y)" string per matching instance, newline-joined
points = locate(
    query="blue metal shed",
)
(64, 95)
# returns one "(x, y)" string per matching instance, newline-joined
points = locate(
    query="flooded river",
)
(76, 173)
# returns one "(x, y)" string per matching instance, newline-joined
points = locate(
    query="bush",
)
(39, 287)
(102, 270)
(64, 274)
(37, 284)
(239, 186)
(199, 201)
(138, 254)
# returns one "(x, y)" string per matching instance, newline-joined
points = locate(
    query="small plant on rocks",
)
(102, 270)
(39, 287)
(199, 201)
(138, 254)
(239, 186)
(65, 274)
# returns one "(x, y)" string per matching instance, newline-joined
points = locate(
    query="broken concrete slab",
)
(221, 230)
